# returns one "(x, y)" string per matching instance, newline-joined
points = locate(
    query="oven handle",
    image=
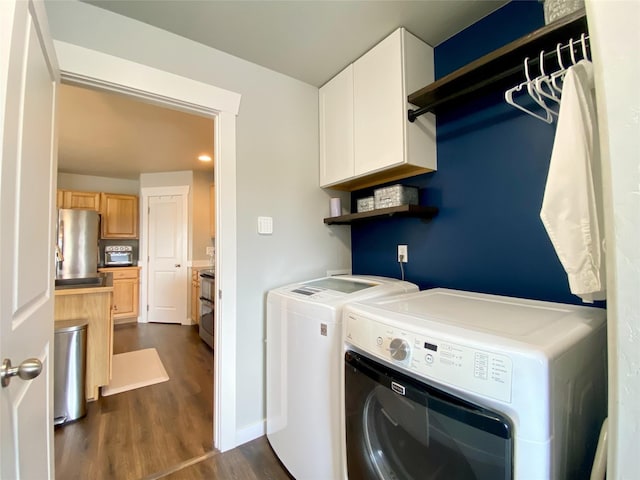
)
(207, 300)
(431, 397)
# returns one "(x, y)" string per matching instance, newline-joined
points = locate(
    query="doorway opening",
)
(80, 66)
(167, 234)
(112, 143)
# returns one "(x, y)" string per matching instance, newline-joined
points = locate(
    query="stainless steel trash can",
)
(70, 366)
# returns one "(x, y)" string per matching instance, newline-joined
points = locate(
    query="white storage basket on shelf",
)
(555, 9)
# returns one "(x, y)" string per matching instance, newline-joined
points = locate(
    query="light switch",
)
(265, 225)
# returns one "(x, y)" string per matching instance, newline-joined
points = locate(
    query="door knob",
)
(27, 370)
(177, 265)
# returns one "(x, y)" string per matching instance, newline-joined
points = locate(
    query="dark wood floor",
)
(149, 432)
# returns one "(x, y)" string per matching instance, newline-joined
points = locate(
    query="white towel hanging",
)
(572, 205)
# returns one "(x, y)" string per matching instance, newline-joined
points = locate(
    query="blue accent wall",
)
(492, 168)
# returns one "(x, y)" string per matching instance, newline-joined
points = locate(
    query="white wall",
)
(201, 238)
(166, 179)
(614, 28)
(277, 171)
(90, 183)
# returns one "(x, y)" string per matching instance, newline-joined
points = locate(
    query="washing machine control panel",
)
(399, 349)
(433, 356)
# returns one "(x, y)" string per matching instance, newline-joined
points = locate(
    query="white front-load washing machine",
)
(304, 362)
(445, 384)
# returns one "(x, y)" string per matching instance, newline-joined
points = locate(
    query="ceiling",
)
(110, 135)
(310, 40)
(105, 134)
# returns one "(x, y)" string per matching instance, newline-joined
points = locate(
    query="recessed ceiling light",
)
(204, 158)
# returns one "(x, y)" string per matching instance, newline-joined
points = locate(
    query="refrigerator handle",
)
(60, 245)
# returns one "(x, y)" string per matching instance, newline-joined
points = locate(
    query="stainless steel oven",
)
(207, 305)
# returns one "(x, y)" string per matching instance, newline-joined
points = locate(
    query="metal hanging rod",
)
(482, 74)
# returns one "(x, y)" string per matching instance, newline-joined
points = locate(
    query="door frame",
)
(97, 70)
(145, 193)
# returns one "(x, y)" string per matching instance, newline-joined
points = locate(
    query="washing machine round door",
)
(399, 428)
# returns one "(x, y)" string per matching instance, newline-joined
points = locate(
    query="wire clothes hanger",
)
(543, 81)
(547, 86)
(508, 96)
(559, 74)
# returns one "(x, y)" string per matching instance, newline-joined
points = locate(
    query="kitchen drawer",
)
(122, 272)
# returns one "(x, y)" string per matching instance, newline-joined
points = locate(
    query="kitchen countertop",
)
(102, 267)
(208, 271)
(105, 285)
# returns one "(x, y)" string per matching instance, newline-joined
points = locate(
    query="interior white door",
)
(28, 78)
(167, 286)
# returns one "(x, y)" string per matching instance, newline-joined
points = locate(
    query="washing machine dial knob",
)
(399, 349)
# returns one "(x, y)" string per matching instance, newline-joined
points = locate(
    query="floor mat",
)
(136, 369)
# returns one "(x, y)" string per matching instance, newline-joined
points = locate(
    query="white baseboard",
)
(250, 432)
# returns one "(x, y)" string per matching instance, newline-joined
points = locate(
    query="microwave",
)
(118, 255)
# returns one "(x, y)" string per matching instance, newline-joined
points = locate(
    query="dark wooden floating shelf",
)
(417, 211)
(502, 68)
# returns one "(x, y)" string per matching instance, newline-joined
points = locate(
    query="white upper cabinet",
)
(365, 137)
(336, 128)
(378, 107)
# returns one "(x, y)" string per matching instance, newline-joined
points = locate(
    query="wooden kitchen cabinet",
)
(119, 215)
(126, 293)
(119, 212)
(365, 136)
(212, 210)
(94, 305)
(195, 295)
(76, 199)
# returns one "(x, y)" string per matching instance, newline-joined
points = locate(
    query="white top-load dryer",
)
(514, 388)
(304, 359)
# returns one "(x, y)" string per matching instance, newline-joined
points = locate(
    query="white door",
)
(167, 268)
(28, 78)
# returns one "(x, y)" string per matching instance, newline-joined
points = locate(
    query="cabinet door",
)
(126, 291)
(336, 128)
(378, 114)
(85, 200)
(60, 199)
(125, 298)
(195, 297)
(110, 336)
(119, 216)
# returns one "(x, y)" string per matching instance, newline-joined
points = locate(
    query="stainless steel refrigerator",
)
(77, 248)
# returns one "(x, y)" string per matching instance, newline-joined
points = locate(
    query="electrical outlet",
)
(209, 251)
(403, 253)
